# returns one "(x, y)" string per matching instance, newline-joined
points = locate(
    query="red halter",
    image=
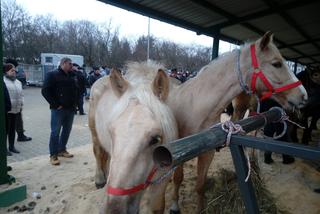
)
(120, 191)
(257, 73)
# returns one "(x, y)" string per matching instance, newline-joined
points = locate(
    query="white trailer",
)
(53, 59)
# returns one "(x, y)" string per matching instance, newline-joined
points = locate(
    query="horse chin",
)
(123, 204)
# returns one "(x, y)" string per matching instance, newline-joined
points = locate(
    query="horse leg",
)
(204, 162)
(306, 135)
(177, 180)
(157, 199)
(313, 124)
(101, 165)
(305, 124)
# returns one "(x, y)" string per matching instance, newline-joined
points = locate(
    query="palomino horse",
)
(127, 119)
(198, 103)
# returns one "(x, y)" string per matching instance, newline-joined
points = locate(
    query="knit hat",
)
(7, 67)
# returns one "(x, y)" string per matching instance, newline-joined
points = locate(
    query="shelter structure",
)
(294, 22)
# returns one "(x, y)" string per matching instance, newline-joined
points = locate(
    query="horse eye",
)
(155, 139)
(315, 75)
(277, 64)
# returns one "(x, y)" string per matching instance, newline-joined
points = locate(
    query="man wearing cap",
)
(81, 87)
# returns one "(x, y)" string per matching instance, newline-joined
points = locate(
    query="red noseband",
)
(257, 73)
(121, 191)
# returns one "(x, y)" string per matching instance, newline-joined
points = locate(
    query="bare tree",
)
(25, 37)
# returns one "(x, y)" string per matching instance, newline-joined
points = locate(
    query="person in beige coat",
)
(16, 97)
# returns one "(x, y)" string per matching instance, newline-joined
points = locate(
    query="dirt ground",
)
(69, 188)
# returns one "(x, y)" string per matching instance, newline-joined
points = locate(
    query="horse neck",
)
(211, 91)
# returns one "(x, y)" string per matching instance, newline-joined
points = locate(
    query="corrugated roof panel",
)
(281, 29)
(288, 53)
(239, 8)
(190, 12)
(308, 49)
(308, 18)
(305, 61)
(240, 32)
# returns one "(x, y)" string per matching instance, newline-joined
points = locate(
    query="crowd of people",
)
(180, 75)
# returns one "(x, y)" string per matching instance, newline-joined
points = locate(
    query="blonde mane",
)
(140, 77)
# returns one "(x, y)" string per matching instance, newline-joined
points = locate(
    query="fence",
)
(182, 150)
(35, 74)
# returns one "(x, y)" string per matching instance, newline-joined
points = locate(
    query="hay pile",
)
(225, 197)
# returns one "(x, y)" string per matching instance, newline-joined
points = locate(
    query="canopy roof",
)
(295, 23)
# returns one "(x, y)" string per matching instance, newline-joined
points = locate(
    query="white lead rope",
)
(230, 128)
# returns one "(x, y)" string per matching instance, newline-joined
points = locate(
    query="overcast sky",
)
(130, 24)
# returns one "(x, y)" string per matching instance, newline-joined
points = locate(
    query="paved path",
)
(36, 115)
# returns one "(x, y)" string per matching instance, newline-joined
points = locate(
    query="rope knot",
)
(230, 128)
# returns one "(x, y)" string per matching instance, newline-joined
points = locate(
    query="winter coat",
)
(16, 96)
(7, 100)
(61, 89)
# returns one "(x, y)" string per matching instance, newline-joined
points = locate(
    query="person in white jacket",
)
(16, 97)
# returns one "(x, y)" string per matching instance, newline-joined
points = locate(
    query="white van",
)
(53, 59)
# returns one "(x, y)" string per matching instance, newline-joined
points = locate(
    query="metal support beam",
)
(295, 68)
(215, 47)
(4, 178)
(293, 149)
(246, 188)
(299, 43)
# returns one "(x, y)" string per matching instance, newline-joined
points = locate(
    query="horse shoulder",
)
(100, 87)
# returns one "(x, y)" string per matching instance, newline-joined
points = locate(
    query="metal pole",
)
(215, 47)
(4, 178)
(293, 149)
(295, 68)
(148, 46)
(246, 188)
(182, 150)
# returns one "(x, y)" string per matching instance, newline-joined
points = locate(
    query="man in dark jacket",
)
(94, 76)
(61, 91)
(82, 82)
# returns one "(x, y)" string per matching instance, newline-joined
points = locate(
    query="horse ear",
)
(160, 85)
(118, 84)
(265, 40)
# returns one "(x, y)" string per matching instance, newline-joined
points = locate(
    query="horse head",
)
(140, 121)
(271, 76)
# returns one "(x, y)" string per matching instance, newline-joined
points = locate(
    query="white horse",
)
(127, 119)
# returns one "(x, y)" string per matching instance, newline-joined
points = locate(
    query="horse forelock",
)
(142, 71)
(140, 89)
